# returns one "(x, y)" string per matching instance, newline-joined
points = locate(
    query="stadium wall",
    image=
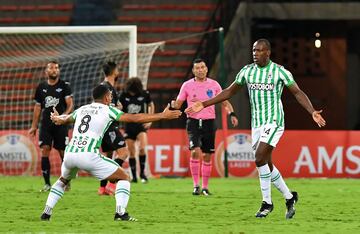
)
(332, 154)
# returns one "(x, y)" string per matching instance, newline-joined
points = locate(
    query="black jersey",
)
(50, 96)
(114, 102)
(115, 98)
(135, 104)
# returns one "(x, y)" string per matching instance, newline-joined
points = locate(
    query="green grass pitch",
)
(167, 206)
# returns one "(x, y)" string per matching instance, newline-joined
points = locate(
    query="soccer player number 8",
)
(84, 126)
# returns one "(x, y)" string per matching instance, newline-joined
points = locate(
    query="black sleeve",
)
(67, 89)
(148, 99)
(122, 98)
(38, 97)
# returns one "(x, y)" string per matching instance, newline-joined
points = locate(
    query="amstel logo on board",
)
(240, 156)
(18, 155)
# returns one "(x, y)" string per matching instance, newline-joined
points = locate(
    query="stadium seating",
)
(167, 20)
(43, 13)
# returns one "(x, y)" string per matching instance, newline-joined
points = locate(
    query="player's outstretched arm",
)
(145, 118)
(60, 119)
(222, 96)
(305, 102)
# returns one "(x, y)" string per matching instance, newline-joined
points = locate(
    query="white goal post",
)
(131, 29)
(80, 50)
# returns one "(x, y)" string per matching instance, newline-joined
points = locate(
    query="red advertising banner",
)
(334, 154)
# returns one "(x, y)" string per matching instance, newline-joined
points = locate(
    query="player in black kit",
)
(113, 139)
(53, 93)
(135, 100)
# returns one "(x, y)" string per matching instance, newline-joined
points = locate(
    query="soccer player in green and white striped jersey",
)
(265, 81)
(91, 122)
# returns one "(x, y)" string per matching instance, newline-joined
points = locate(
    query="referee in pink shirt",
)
(201, 126)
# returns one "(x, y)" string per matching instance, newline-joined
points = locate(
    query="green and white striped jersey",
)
(91, 122)
(265, 86)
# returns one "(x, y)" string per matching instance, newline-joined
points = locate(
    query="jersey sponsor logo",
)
(51, 101)
(80, 143)
(261, 86)
(209, 93)
(18, 155)
(134, 109)
(241, 156)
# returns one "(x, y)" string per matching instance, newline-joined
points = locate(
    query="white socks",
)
(265, 182)
(279, 183)
(56, 192)
(122, 194)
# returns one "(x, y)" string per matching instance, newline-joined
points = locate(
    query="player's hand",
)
(54, 116)
(234, 121)
(196, 107)
(55, 111)
(171, 114)
(318, 118)
(32, 132)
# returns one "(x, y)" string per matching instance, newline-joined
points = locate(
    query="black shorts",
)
(53, 136)
(201, 134)
(133, 130)
(112, 139)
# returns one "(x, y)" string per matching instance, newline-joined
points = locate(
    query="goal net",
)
(80, 50)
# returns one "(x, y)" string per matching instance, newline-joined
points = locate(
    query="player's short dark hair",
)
(133, 85)
(100, 90)
(198, 60)
(54, 62)
(265, 42)
(109, 68)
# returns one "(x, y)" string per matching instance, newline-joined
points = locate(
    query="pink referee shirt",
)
(193, 91)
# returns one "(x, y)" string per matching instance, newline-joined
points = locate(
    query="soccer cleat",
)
(196, 191)
(290, 205)
(102, 191)
(45, 217)
(134, 180)
(68, 187)
(46, 188)
(124, 217)
(264, 210)
(205, 192)
(144, 179)
(110, 188)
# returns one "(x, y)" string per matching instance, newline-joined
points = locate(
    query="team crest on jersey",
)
(51, 101)
(58, 90)
(210, 93)
(269, 76)
(44, 90)
(134, 109)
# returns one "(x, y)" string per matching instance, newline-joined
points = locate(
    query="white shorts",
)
(268, 133)
(96, 164)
